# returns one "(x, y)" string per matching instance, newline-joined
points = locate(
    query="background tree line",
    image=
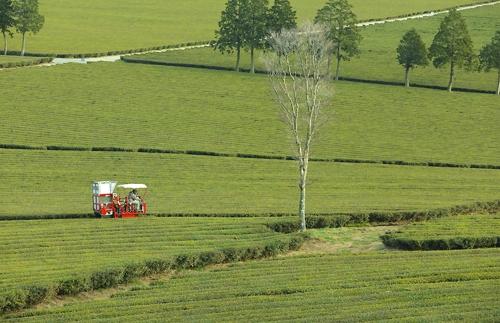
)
(248, 24)
(452, 46)
(21, 16)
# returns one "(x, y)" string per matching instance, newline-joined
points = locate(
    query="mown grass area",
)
(378, 58)
(351, 239)
(134, 105)
(462, 232)
(43, 253)
(48, 182)
(120, 25)
(402, 286)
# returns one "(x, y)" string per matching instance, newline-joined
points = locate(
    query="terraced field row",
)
(378, 57)
(127, 24)
(43, 182)
(46, 253)
(156, 107)
(403, 286)
(462, 232)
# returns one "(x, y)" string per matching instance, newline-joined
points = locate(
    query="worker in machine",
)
(134, 199)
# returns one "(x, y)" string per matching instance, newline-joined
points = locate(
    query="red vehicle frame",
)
(108, 204)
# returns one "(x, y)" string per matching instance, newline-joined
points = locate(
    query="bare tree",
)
(298, 73)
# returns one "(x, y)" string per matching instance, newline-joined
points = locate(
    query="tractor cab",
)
(108, 203)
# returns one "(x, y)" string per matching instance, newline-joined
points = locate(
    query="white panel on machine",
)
(103, 187)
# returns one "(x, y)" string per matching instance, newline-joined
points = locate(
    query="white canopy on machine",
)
(132, 186)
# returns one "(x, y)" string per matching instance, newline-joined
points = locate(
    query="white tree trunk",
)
(407, 77)
(24, 44)
(302, 199)
(238, 57)
(337, 73)
(452, 77)
(4, 43)
(498, 85)
(252, 69)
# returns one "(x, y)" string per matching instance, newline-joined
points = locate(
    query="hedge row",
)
(26, 63)
(112, 277)
(340, 220)
(392, 241)
(114, 52)
(316, 220)
(254, 156)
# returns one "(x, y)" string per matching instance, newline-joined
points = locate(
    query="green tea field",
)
(162, 186)
(129, 24)
(156, 107)
(51, 182)
(419, 286)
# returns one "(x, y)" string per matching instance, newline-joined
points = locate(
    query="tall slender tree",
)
(412, 53)
(489, 58)
(301, 98)
(230, 37)
(28, 19)
(452, 45)
(7, 21)
(281, 16)
(341, 21)
(255, 27)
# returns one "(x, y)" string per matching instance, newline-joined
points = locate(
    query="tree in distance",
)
(29, 20)
(343, 32)
(255, 27)
(452, 44)
(298, 65)
(7, 21)
(230, 35)
(489, 58)
(412, 53)
(281, 16)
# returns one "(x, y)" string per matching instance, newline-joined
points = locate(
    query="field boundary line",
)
(319, 219)
(135, 60)
(247, 156)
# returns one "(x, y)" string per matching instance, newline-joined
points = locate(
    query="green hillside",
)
(49, 182)
(94, 26)
(133, 106)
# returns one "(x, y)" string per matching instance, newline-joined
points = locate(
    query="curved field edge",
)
(400, 286)
(193, 23)
(29, 296)
(463, 232)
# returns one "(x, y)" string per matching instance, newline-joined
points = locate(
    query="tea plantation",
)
(402, 286)
(58, 182)
(398, 178)
(122, 25)
(134, 106)
(71, 256)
